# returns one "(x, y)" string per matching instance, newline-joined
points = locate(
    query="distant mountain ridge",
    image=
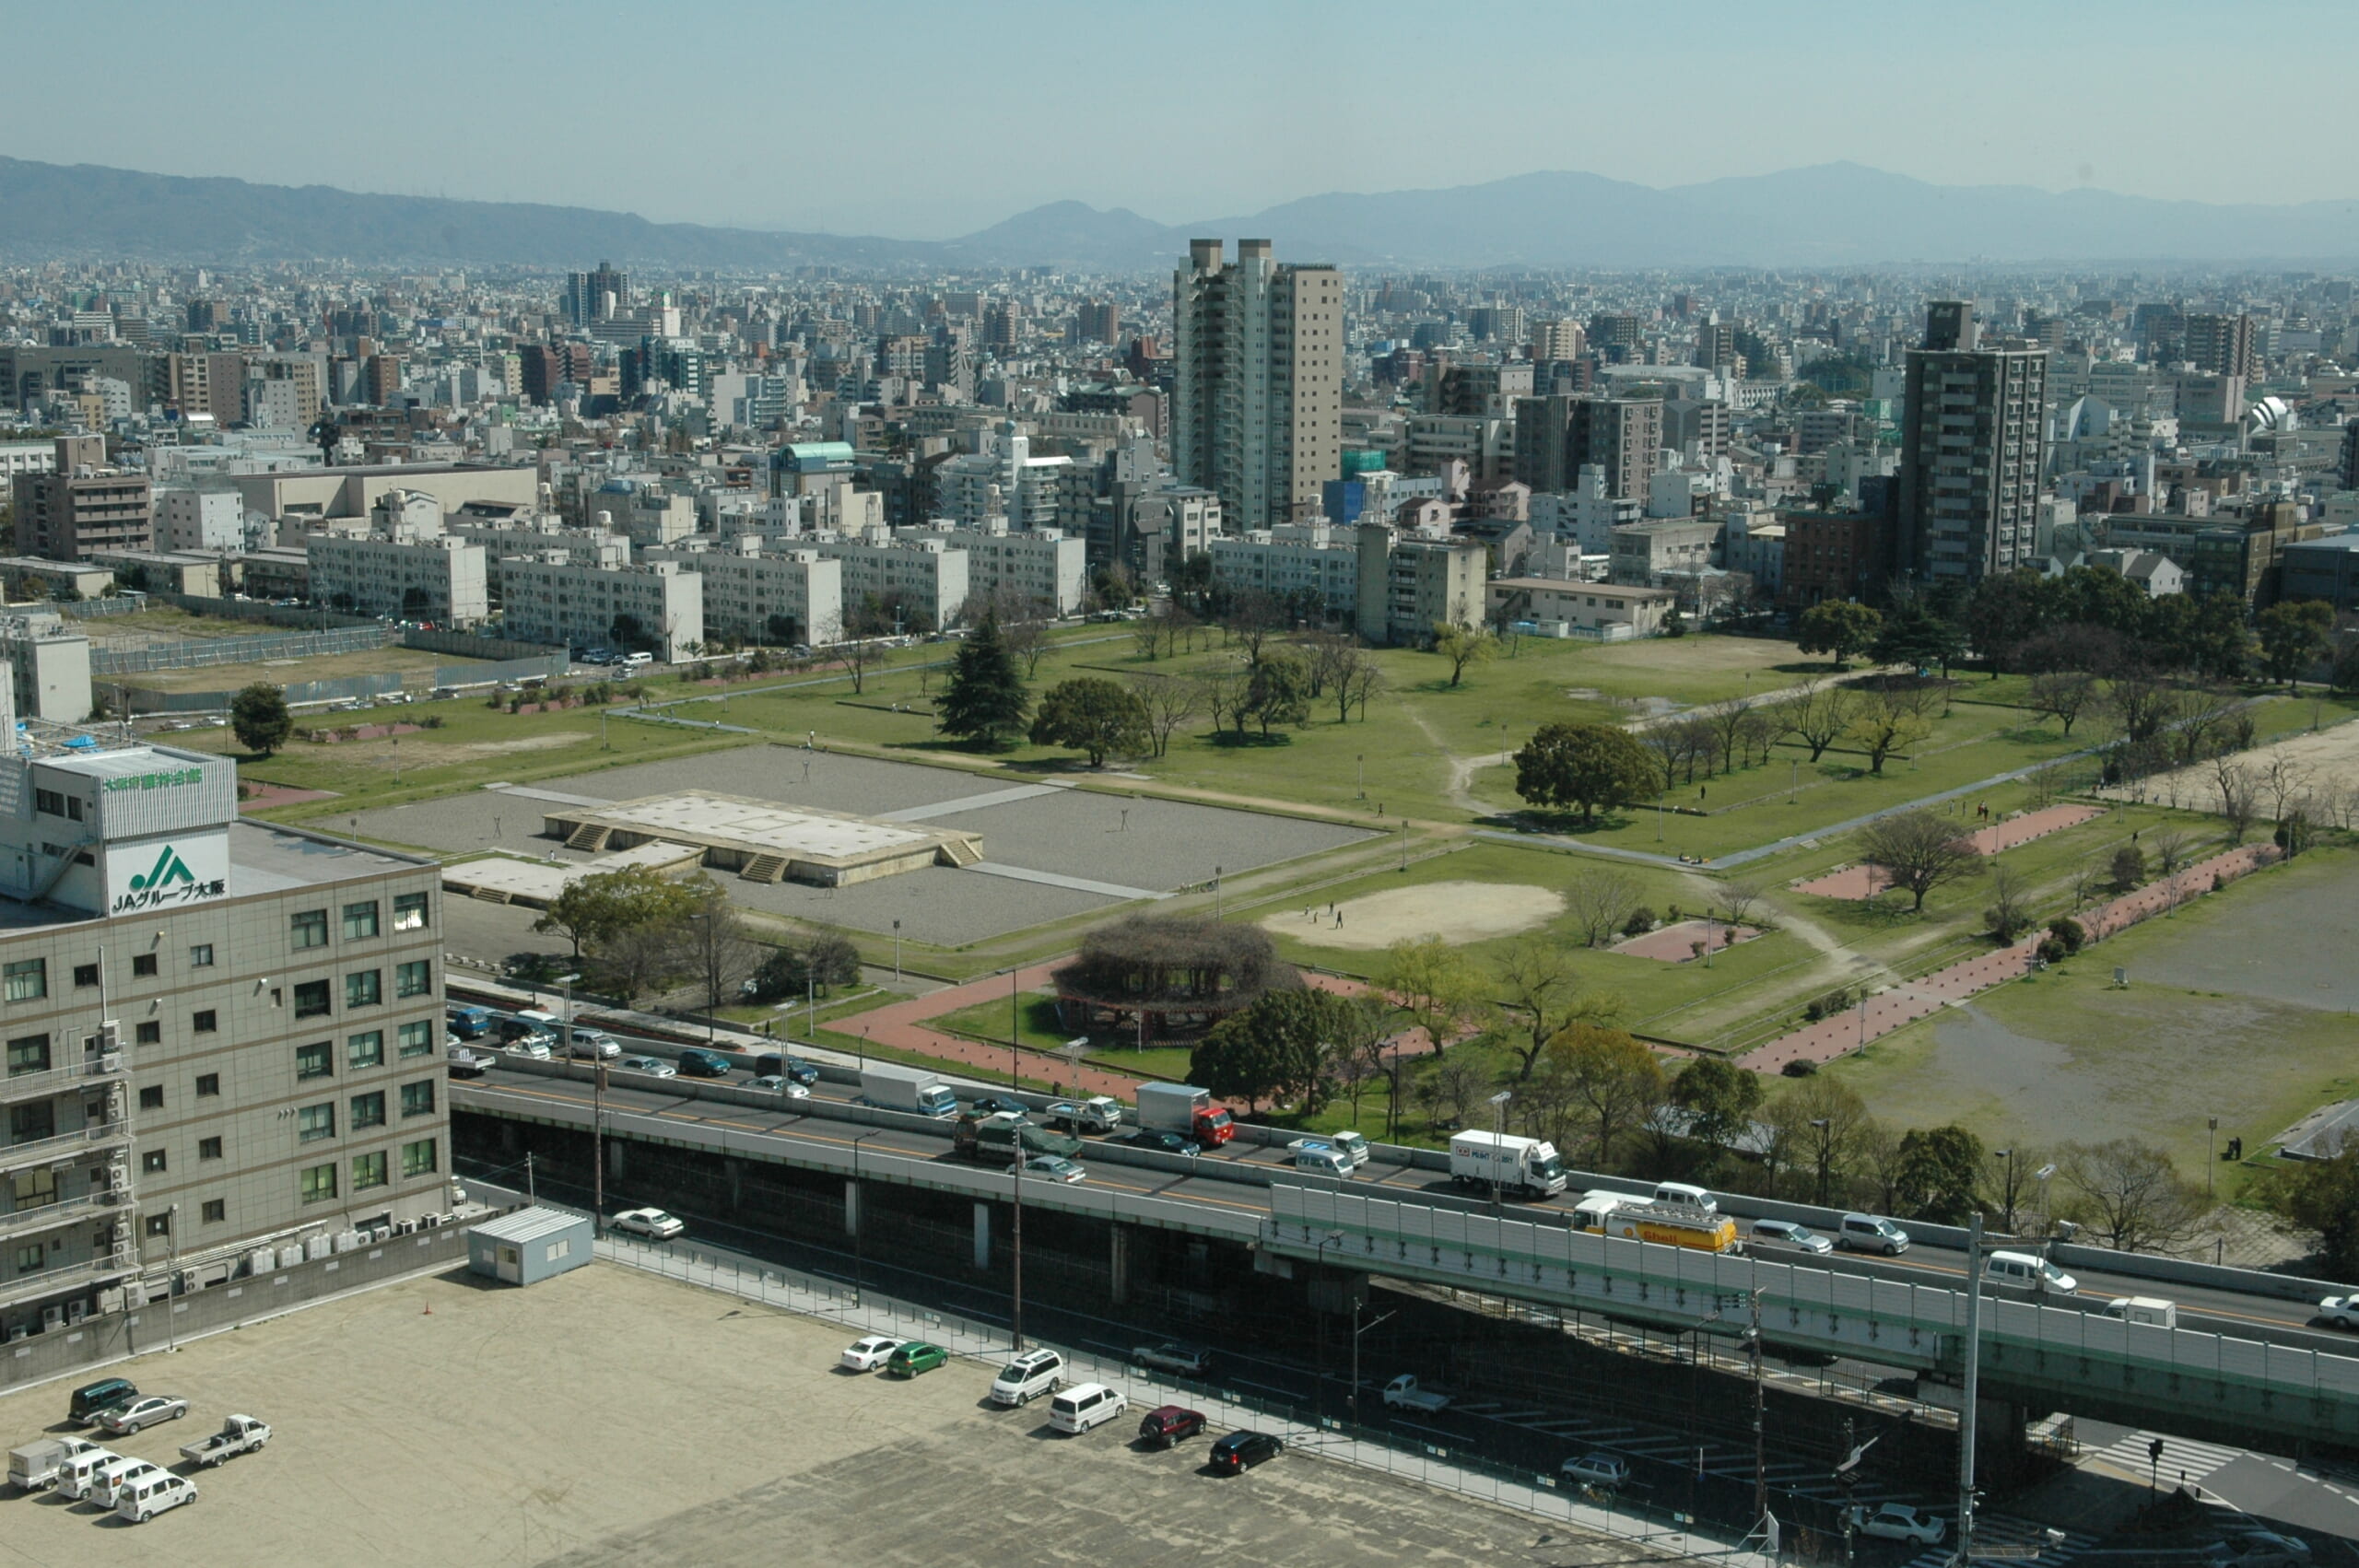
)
(1830, 215)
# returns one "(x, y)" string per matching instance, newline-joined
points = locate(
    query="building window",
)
(312, 998)
(143, 965)
(216, 1211)
(204, 1021)
(33, 1189)
(28, 1053)
(417, 1039)
(28, 1257)
(309, 929)
(159, 1224)
(413, 979)
(364, 987)
(366, 1050)
(207, 1085)
(32, 1122)
(314, 1122)
(319, 1184)
(153, 1162)
(316, 1061)
(151, 1098)
(149, 1032)
(359, 921)
(201, 955)
(409, 912)
(417, 1159)
(417, 1099)
(208, 1148)
(26, 981)
(368, 1171)
(368, 1111)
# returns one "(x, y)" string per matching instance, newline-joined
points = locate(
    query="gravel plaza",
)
(1049, 852)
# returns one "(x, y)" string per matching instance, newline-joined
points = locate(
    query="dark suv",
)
(92, 1397)
(1163, 1142)
(698, 1062)
(1167, 1424)
(1240, 1451)
(778, 1064)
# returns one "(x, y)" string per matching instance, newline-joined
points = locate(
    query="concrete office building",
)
(49, 666)
(442, 580)
(1258, 394)
(658, 605)
(1407, 586)
(1973, 440)
(1643, 553)
(927, 580)
(1296, 561)
(82, 505)
(219, 1034)
(1169, 523)
(189, 519)
(27, 457)
(1552, 607)
(753, 594)
(2222, 344)
(351, 492)
(1557, 436)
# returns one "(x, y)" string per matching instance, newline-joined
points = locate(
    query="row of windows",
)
(364, 987)
(365, 1050)
(27, 979)
(309, 928)
(318, 1184)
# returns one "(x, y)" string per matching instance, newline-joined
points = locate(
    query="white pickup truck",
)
(1402, 1394)
(1097, 1114)
(238, 1434)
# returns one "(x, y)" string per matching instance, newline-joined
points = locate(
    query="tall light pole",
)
(1358, 1330)
(1973, 1386)
(2211, 1154)
(897, 953)
(1216, 895)
(2008, 1197)
(1826, 1154)
(1360, 764)
(1013, 1029)
(1015, 1314)
(859, 1218)
(597, 1109)
(2041, 1176)
(1320, 1398)
(1500, 1121)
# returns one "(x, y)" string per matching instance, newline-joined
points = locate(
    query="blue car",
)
(698, 1062)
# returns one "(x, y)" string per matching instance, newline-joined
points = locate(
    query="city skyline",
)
(2004, 94)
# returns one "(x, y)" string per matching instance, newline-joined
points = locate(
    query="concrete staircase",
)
(590, 836)
(764, 868)
(960, 852)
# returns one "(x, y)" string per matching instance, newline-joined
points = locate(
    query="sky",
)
(925, 119)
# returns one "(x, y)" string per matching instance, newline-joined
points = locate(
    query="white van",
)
(1085, 1405)
(1028, 1377)
(1686, 1195)
(108, 1485)
(2143, 1309)
(150, 1495)
(2025, 1273)
(1866, 1233)
(74, 1475)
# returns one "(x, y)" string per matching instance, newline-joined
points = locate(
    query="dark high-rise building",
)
(2222, 344)
(1972, 446)
(1559, 434)
(593, 296)
(2351, 456)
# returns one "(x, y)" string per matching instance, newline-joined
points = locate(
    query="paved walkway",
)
(1903, 1004)
(972, 802)
(1058, 878)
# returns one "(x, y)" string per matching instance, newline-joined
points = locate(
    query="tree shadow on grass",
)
(1231, 739)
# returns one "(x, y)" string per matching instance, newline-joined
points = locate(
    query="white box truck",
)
(1527, 1167)
(909, 1089)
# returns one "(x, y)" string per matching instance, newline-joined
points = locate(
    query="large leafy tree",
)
(2294, 636)
(1614, 1080)
(1463, 646)
(1583, 766)
(2005, 610)
(1435, 983)
(1920, 851)
(258, 718)
(1940, 1171)
(1278, 690)
(1292, 1040)
(1095, 715)
(1719, 1098)
(1238, 1061)
(1914, 636)
(595, 909)
(1838, 628)
(984, 703)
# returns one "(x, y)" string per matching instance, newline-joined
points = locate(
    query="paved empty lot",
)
(608, 1416)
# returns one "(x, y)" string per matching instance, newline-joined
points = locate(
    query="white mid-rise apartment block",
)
(1292, 561)
(792, 595)
(1002, 479)
(927, 579)
(205, 520)
(1042, 566)
(441, 578)
(27, 457)
(657, 603)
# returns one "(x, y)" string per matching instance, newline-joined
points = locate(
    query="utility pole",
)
(1016, 1316)
(1973, 1380)
(1760, 1459)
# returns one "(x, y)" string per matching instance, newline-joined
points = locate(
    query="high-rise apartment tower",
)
(1257, 409)
(1971, 451)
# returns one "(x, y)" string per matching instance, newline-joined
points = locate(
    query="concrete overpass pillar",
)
(616, 1165)
(983, 1235)
(736, 1169)
(851, 1208)
(1120, 1261)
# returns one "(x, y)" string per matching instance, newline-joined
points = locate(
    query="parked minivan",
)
(1085, 1405)
(1028, 1377)
(1866, 1233)
(150, 1495)
(103, 1395)
(1686, 1195)
(75, 1475)
(2026, 1274)
(108, 1482)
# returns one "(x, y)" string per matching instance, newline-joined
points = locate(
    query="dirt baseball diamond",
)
(2323, 762)
(1455, 911)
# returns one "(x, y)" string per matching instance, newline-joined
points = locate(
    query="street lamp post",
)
(1216, 895)
(1016, 1266)
(1358, 1330)
(897, 953)
(2211, 1154)
(1360, 764)
(859, 1219)
(1826, 1154)
(1013, 1034)
(597, 1108)
(1499, 1120)
(2007, 1199)
(2041, 1176)
(1319, 1399)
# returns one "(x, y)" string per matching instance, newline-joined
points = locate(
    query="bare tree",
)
(2007, 1175)
(2010, 909)
(1614, 1078)
(1756, 732)
(2240, 796)
(2205, 723)
(1918, 851)
(2141, 706)
(1818, 715)
(1451, 1085)
(2174, 847)
(1602, 899)
(1729, 722)
(1539, 995)
(858, 657)
(1148, 634)
(715, 947)
(1227, 694)
(1892, 718)
(2129, 1193)
(1359, 677)
(1253, 619)
(1881, 1164)
(2087, 877)
(1738, 896)
(2286, 781)
(1170, 701)
(2061, 694)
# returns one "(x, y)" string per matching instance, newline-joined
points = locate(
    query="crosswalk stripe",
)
(2197, 1460)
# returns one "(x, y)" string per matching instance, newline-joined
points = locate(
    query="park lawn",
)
(2060, 1056)
(172, 623)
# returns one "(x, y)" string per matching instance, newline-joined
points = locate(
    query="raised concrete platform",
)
(763, 840)
(509, 879)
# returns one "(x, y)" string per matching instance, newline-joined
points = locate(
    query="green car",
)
(915, 1357)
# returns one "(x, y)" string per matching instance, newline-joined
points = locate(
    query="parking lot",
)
(608, 1416)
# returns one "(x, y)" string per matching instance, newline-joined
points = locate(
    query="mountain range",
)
(1830, 215)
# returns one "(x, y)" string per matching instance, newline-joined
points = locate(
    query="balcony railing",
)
(20, 1086)
(47, 1150)
(14, 1288)
(50, 1216)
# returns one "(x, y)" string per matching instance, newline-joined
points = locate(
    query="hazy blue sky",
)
(927, 120)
